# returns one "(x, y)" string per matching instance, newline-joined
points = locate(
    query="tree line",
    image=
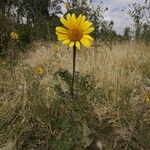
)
(37, 19)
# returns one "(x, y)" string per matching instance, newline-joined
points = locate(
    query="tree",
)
(136, 12)
(127, 33)
(145, 35)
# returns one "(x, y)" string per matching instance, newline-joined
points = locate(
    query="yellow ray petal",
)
(89, 30)
(78, 44)
(68, 16)
(85, 25)
(79, 19)
(61, 34)
(86, 42)
(61, 30)
(71, 44)
(64, 22)
(88, 37)
(67, 41)
(73, 16)
(82, 19)
(73, 20)
(61, 37)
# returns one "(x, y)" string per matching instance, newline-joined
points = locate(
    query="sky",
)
(121, 19)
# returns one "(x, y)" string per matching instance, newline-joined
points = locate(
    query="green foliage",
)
(85, 87)
(144, 135)
(32, 20)
(4, 33)
(145, 69)
(145, 35)
(75, 112)
(127, 33)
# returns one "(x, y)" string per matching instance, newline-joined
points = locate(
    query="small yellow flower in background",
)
(4, 63)
(39, 70)
(76, 31)
(147, 99)
(67, 5)
(14, 35)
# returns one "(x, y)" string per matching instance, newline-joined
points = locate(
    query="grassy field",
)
(38, 113)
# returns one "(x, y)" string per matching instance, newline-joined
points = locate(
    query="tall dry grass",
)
(27, 99)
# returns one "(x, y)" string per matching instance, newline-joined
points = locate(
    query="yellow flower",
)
(147, 99)
(14, 35)
(67, 5)
(76, 31)
(4, 63)
(39, 70)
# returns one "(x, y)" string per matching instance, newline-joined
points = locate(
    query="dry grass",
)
(27, 99)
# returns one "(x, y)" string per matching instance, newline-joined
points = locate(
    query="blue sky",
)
(121, 19)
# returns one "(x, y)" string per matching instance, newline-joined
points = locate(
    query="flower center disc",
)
(75, 35)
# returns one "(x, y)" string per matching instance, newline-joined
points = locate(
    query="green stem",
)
(74, 62)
